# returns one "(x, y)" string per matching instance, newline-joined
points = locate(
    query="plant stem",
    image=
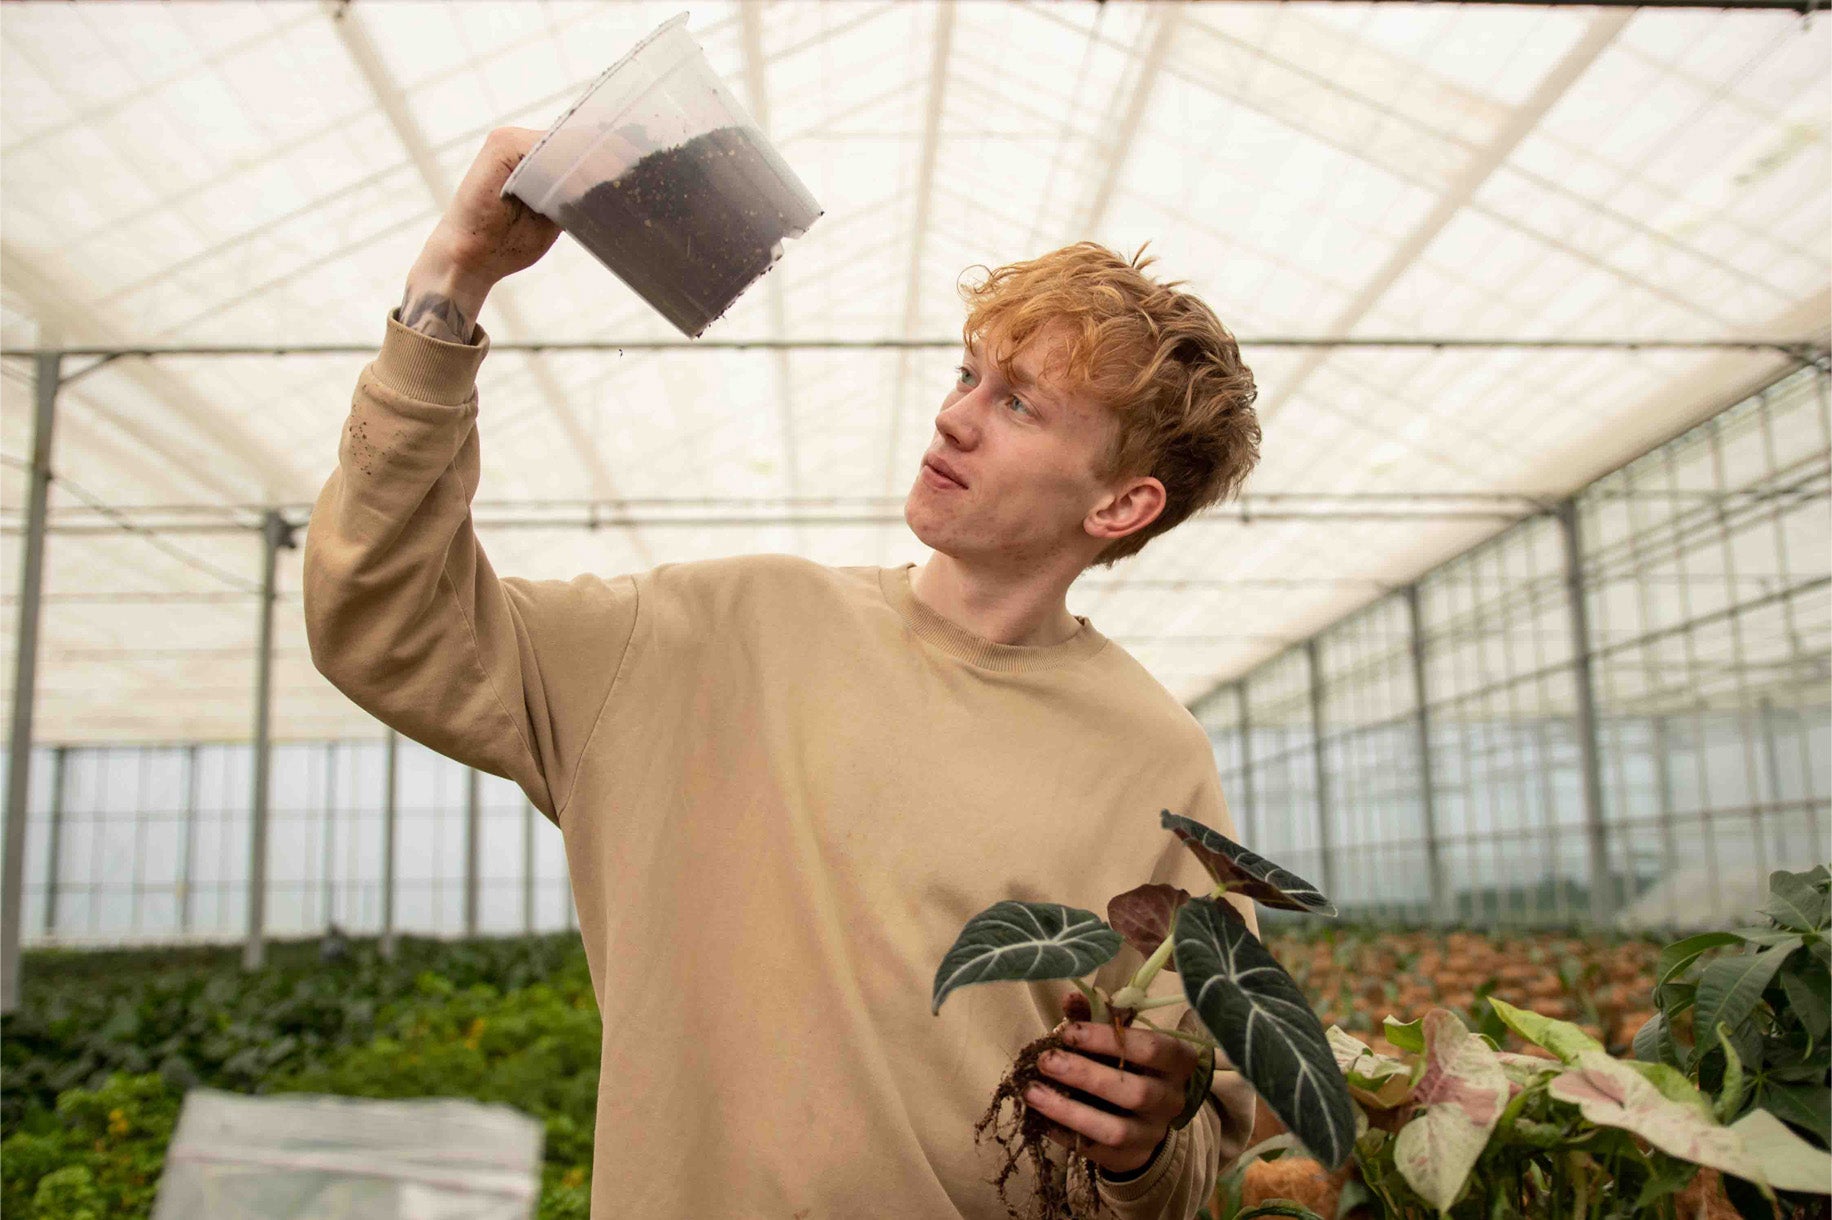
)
(1161, 954)
(1178, 1034)
(1097, 1003)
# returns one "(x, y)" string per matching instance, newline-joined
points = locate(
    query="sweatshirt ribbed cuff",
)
(1169, 1161)
(421, 367)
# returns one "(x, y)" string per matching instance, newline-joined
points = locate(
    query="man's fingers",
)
(1141, 1094)
(1110, 1141)
(1142, 1047)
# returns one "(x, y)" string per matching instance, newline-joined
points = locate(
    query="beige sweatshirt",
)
(783, 789)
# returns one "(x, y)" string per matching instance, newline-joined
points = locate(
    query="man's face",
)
(1023, 454)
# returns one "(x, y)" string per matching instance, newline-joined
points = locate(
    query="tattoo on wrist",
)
(435, 314)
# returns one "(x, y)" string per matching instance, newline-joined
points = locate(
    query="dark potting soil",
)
(689, 227)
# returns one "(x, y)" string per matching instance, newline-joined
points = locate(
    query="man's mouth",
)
(941, 474)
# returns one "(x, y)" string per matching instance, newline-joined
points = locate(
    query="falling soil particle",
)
(690, 227)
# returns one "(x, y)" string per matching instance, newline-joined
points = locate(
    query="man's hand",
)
(482, 238)
(1150, 1089)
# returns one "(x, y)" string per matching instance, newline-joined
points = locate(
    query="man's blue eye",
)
(1020, 402)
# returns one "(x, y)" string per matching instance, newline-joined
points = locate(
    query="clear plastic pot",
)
(666, 180)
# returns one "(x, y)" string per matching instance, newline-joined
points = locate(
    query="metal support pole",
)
(1328, 869)
(1602, 899)
(187, 861)
(527, 867)
(46, 377)
(472, 824)
(275, 534)
(1249, 821)
(326, 902)
(389, 811)
(1428, 802)
(54, 856)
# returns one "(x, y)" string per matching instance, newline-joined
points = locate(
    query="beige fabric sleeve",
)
(403, 611)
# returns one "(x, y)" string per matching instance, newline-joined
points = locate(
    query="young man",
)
(783, 788)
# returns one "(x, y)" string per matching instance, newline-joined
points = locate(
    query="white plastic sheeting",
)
(240, 173)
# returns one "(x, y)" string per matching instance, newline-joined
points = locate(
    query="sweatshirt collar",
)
(976, 650)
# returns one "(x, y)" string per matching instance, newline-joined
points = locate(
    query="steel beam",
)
(1321, 770)
(1249, 817)
(276, 534)
(1434, 862)
(528, 816)
(1596, 833)
(390, 813)
(187, 860)
(60, 759)
(1805, 350)
(473, 825)
(326, 902)
(25, 679)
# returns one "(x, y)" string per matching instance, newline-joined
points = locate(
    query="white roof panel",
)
(246, 173)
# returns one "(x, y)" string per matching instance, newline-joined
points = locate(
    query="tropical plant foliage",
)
(1243, 997)
(104, 1046)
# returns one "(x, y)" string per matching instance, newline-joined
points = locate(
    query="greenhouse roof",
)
(261, 174)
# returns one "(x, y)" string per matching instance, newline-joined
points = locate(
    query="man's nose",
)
(956, 421)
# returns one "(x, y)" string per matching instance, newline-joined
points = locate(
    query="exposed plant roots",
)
(1060, 1192)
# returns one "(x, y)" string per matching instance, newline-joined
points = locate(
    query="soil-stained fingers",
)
(1115, 1142)
(1169, 1057)
(1150, 1097)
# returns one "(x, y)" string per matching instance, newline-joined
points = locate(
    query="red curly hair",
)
(1159, 359)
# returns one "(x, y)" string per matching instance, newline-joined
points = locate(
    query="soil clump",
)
(689, 227)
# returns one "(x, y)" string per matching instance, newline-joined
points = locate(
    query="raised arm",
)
(403, 611)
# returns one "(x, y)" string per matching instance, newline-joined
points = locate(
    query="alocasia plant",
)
(1242, 996)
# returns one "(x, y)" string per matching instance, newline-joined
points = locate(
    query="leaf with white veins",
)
(1256, 1012)
(1027, 942)
(1249, 873)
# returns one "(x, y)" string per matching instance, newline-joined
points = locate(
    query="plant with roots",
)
(1238, 991)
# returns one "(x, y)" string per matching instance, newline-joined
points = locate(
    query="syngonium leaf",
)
(1247, 872)
(1788, 1162)
(1610, 1093)
(1376, 1080)
(1145, 915)
(1463, 1091)
(1562, 1038)
(1025, 941)
(1256, 1012)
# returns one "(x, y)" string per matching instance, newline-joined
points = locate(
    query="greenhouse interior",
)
(1513, 652)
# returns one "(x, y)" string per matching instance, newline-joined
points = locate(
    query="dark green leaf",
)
(1797, 900)
(1250, 874)
(1145, 916)
(1260, 1018)
(1730, 1094)
(1803, 1105)
(1025, 941)
(1809, 994)
(1654, 1043)
(1196, 1088)
(1729, 988)
(1682, 953)
(1764, 937)
(1670, 1176)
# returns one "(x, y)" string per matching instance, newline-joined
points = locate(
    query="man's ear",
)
(1135, 505)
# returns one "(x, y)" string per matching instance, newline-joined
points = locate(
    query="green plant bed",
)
(502, 1021)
